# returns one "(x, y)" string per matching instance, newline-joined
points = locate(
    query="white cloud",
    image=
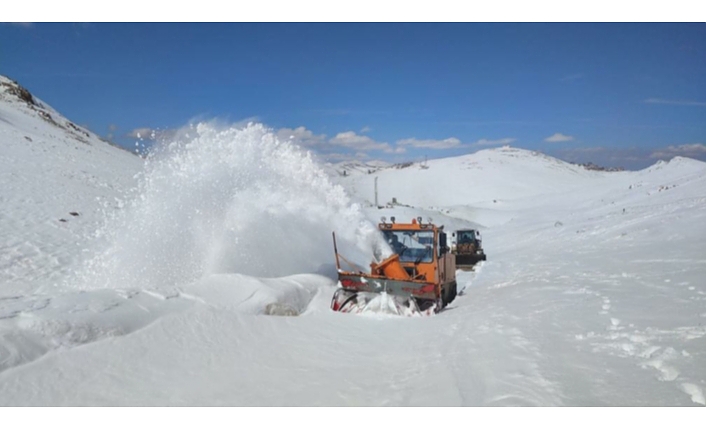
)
(444, 144)
(488, 142)
(365, 129)
(559, 137)
(686, 150)
(430, 143)
(674, 102)
(359, 142)
(302, 136)
(344, 140)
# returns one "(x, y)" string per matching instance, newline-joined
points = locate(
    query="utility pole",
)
(376, 192)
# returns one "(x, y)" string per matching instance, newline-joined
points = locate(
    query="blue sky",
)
(614, 94)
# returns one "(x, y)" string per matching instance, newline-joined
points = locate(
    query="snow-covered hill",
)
(50, 168)
(354, 167)
(170, 286)
(484, 179)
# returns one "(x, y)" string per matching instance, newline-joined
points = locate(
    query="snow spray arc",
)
(227, 200)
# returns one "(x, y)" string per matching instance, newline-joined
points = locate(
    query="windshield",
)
(412, 245)
(466, 236)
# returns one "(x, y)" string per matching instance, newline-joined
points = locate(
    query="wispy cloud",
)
(559, 137)
(302, 136)
(490, 142)
(674, 102)
(112, 127)
(365, 129)
(353, 141)
(573, 77)
(435, 144)
(358, 142)
(345, 140)
(306, 138)
(684, 150)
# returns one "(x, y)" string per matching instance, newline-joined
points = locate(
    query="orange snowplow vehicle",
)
(418, 278)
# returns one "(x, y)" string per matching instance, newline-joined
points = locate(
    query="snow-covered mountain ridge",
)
(489, 177)
(18, 98)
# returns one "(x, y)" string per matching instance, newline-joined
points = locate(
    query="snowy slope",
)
(354, 167)
(593, 292)
(478, 178)
(49, 168)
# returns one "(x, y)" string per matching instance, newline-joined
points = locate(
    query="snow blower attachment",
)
(419, 278)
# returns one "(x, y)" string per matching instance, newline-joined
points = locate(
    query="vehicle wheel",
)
(454, 292)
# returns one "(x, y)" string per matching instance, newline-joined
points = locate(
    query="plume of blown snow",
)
(228, 199)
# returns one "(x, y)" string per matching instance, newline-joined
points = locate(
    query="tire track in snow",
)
(639, 345)
(486, 350)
